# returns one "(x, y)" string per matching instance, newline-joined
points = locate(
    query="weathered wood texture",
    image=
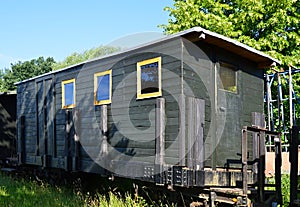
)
(225, 112)
(183, 129)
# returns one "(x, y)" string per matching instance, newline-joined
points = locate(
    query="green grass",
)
(16, 192)
(23, 193)
(285, 188)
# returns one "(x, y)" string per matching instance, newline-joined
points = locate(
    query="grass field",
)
(16, 192)
(21, 193)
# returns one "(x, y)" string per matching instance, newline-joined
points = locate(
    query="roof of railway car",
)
(194, 34)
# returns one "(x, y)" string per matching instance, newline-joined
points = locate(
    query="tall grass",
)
(24, 193)
(115, 200)
(285, 188)
(21, 193)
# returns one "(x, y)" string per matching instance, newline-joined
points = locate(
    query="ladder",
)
(280, 100)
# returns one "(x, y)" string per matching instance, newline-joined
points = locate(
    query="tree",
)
(75, 57)
(24, 70)
(28, 69)
(271, 26)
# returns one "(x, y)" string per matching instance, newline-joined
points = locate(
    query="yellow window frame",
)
(96, 75)
(139, 79)
(63, 83)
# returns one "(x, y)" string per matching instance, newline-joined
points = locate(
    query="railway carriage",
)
(169, 112)
(7, 126)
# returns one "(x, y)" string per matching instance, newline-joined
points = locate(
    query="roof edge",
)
(237, 43)
(167, 37)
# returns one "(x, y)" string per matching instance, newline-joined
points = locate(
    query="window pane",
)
(149, 78)
(103, 88)
(228, 77)
(69, 94)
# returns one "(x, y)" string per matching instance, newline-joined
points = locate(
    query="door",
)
(45, 118)
(195, 133)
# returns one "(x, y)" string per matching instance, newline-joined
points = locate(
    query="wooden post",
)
(278, 163)
(294, 164)
(195, 125)
(53, 94)
(182, 145)
(37, 142)
(191, 138)
(67, 139)
(261, 167)
(76, 119)
(160, 133)
(212, 199)
(244, 160)
(199, 150)
(257, 120)
(45, 130)
(214, 117)
(269, 102)
(22, 141)
(104, 147)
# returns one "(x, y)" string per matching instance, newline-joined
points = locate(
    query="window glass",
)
(228, 75)
(103, 87)
(68, 93)
(149, 78)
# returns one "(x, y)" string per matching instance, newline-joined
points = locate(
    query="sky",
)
(51, 28)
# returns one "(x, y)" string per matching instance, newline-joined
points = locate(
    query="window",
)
(228, 75)
(68, 93)
(149, 78)
(102, 87)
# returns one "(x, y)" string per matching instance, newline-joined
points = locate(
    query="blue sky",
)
(33, 28)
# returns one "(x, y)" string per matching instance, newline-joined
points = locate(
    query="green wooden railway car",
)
(169, 112)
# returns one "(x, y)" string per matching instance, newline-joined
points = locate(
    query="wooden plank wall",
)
(26, 106)
(199, 81)
(131, 122)
(188, 87)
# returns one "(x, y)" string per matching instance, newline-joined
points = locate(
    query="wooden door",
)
(45, 118)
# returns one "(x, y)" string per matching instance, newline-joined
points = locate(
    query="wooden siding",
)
(190, 104)
(26, 107)
(225, 111)
(198, 79)
(131, 122)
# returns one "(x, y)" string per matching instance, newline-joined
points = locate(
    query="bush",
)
(285, 188)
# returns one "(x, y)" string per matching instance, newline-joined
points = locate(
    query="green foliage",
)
(271, 26)
(267, 25)
(285, 188)
(28, 69)
(24, 70)
(75, 57)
